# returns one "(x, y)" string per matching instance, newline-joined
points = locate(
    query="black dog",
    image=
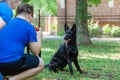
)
(67, 53)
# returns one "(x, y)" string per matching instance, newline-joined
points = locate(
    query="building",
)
(108, 12)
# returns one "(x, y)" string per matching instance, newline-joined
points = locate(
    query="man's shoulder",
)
(5, 12)
(2, 3)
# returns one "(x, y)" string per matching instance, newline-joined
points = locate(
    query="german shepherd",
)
(67, 53)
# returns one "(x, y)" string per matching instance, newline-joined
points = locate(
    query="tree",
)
(81, 22)
(47, 7)
(25, 1)
(83, 37)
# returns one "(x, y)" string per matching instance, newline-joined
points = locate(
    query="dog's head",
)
(70, 34)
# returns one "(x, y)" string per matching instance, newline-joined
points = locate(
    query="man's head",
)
(14, 3)
(26, 11)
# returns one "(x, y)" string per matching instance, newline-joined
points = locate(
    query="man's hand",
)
(37, 28)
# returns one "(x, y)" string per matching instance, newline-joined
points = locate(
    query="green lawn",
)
(101, 60)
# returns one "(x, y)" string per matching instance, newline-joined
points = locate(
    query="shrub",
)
(115, 31)
(106, 30)
(61, 33)
(54, 27)
(94, 29)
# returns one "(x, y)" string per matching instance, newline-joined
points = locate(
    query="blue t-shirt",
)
(6, 12)
(1, 78)
(13, 39)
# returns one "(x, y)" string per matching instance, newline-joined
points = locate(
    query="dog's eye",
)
(69, 32)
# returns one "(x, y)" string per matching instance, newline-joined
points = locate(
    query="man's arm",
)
(35, 47)
(2, 23)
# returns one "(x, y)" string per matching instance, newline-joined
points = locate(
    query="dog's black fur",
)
(67, 53)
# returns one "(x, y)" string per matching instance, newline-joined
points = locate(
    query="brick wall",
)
(70, 14)
(105, 14)
(101, 13)
(70, 11)
(45, 22)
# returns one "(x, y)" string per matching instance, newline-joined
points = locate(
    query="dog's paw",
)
(83, 72)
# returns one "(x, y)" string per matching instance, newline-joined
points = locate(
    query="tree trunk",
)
(83, 37)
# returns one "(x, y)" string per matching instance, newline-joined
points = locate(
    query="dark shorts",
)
(26, 62)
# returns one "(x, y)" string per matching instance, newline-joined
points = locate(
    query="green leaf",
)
(26, 1)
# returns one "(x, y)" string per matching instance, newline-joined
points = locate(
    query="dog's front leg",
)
(77, 65)
(70, 66)
(69, 63)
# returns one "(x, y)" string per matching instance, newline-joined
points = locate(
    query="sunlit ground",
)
(101, 61)
(101, 56)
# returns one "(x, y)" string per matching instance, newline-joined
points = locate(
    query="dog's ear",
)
(73, 28)
(66, 27)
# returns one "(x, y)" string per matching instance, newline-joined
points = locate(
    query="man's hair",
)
(24, 9)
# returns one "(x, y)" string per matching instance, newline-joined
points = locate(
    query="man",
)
(14, 37)
(6, 11)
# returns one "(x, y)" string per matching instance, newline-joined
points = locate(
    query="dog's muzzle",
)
(66, 41)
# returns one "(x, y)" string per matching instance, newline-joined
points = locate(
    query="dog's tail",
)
(46, 66)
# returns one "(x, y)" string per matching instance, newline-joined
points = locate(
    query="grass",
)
(100, 60)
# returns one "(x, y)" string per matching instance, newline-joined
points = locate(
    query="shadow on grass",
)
(101, 61)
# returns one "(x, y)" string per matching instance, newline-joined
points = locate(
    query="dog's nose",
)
(65, 38)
